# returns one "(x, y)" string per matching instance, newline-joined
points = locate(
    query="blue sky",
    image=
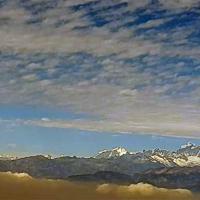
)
(31, 140)
(21, 139)
(81, 71)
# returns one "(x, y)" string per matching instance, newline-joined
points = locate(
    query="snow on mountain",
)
(189, 150)
(116, 152)
(162, 160)
(187, 156)
(188, 145)
(189, 161)
(7, 157)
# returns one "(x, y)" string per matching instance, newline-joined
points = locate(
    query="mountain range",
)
(187, 155)
(177, 169)
(171, 178)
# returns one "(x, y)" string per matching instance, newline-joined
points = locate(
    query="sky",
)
(78, 76)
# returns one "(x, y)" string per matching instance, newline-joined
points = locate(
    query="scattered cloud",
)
(134, 64)
(170, 4)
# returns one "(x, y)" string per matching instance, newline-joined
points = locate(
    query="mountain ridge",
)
(171, 178)
(157, 167)
(186, 155)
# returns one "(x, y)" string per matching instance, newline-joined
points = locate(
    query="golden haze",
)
(23, 187)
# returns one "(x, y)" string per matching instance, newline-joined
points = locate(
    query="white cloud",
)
(101, 43)
(156, 127)
(174, 4)
(127, 98)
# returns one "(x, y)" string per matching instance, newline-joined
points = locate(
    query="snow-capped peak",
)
(188, 145)
(121, 151)
(187, 155)
(116, 152)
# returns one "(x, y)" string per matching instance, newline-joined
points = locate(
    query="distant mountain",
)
(117, 160)
(7, 157)
(189, 149)
(187, 155)
(63, 167)
(116, 152)
(103, 177)
(174, 177)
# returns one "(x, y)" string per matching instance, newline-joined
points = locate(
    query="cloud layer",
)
(135, 65)
(22, 186)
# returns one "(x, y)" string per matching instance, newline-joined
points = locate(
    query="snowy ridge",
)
(188, 145)
(116, 152)
(187, 156)
(7, 157)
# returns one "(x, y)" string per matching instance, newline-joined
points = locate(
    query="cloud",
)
(99, 42)
(117, 110)
(22, 186)
(171, 4)
(144, 191)
(136, 70)
(22, 37)
(154, 127)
